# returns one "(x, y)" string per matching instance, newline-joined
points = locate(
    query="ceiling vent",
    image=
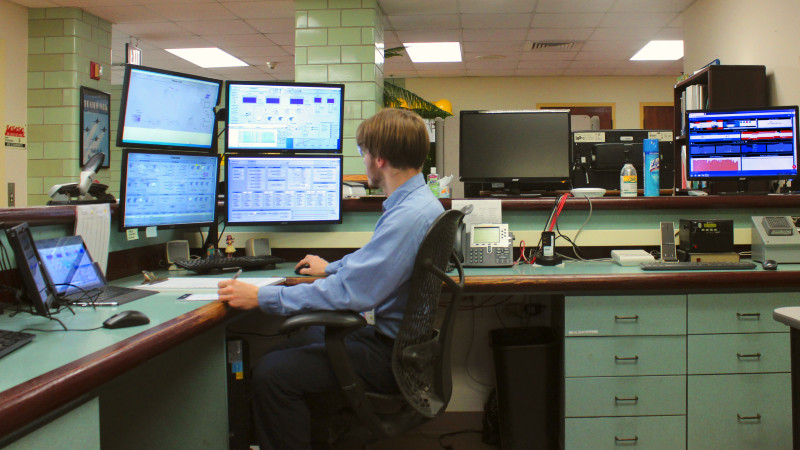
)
(557, 46)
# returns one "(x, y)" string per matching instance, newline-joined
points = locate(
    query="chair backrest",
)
(421, 354)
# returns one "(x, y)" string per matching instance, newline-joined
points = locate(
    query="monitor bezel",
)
(254, 150)
(281, 156)
(210, 148)
(541, 181)
(122, 189)
(689, 177)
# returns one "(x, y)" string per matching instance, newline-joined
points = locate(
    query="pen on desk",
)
(236, 275)
(96, 303)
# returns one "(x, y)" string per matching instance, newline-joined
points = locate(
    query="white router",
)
(631, 257)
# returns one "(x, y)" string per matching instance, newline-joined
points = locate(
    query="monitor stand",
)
(741, 189)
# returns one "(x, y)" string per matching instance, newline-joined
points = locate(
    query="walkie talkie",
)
(668, 251)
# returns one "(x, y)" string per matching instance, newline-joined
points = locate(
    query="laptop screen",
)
(69, 264)
(30, 268)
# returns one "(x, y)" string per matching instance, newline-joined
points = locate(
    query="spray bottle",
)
(628, 180)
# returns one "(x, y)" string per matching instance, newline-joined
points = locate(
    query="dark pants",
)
(300, 366)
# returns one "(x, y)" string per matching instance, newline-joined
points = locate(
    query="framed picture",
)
(95, 130)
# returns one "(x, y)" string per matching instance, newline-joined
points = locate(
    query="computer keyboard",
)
(12, 340)
(701, 265)
(205, 265)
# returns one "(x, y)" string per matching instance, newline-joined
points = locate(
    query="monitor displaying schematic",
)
(283, 189)
(284, 117)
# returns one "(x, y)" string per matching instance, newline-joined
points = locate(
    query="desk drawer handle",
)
(632, 318)
(634, 399)
(626, 359)
(748, 355)
(740, 418)
(742, 316)
(618, 440)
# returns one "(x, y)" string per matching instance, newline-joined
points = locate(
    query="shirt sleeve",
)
(359, 282)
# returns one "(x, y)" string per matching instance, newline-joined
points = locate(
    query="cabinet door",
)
(625, 396)
(656, 433)
(737, 313)
(620, 356)
(740, 411)
(625, 316)
(739, 353)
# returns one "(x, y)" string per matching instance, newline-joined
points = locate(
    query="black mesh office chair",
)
(420, 359)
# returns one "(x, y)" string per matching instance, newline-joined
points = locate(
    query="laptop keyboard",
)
(12, 340)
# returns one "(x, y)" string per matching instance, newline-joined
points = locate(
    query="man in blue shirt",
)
(394, 144)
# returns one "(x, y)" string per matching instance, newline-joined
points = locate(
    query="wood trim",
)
(35, 398)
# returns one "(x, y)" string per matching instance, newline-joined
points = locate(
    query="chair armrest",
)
(334, 319)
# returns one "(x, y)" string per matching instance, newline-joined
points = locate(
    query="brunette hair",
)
(397, 135)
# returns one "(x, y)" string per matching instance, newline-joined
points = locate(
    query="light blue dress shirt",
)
(376, 276)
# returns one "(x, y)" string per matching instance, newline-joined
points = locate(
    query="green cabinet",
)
(652, 433)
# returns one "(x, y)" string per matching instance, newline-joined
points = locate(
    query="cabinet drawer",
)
(657, 433)
(739, 353)
(625, 396)
(737, 313)
(751, 411)
(623, 316)
(618, 356)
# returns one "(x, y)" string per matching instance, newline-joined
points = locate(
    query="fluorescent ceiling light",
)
(660, 51)
(207, 57)
(426, 52)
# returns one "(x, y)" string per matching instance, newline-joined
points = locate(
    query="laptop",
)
(38, 291)
(77, 277)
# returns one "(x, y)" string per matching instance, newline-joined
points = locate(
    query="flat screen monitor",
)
(284, 117)
(283, 189)
(526, 147)
(168, 189)
(167, 110)
(742, 144)
(37, 286)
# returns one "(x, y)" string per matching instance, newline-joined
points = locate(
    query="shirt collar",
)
(402, 192)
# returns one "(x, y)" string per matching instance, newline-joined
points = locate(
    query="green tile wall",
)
(61, 44)
(341, 41)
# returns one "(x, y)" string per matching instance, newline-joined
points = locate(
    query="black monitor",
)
(168, 189)
(283, 189)
(520, 149)
(742, 144)
(284, 117)
(34, 277)
(161, 109)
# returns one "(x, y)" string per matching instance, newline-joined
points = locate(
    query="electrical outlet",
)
(11, 195)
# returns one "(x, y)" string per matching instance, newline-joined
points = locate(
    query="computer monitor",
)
(168, 189)
(742, 144)
(520, 149)
(283, 189)
(161, 109)
(284, 117)
(37, 286)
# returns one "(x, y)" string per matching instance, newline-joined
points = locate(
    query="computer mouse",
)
(769, 264)
(126, 319)
(304, 266)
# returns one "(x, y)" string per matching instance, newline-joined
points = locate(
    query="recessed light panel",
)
(207, 57)
(432, 52)
(660, 51)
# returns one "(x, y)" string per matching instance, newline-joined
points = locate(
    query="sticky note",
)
(151, 232)
(133, 234)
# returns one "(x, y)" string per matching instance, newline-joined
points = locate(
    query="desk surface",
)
(59, 367)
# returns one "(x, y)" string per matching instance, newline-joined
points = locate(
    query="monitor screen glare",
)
(284, 189)
(168, 189)
(284, 117)
(740, 144)
(162, 109)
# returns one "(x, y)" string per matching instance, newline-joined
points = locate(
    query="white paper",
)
(187, 284)
(93, 223)
(199, 297)
(484, 211)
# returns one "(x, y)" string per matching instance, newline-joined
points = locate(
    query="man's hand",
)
(316, 266)
(238, 294)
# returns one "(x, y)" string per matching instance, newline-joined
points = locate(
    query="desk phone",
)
(486, 245)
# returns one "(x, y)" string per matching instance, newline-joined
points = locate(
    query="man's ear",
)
(380, 162)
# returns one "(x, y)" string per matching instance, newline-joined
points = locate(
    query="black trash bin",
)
(527, 379)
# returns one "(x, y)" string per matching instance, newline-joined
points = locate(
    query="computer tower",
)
(239, 416)
(598, 156)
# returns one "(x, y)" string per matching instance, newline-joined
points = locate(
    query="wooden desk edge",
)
(28, 401)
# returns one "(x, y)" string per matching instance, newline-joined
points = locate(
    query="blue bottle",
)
(651, 168)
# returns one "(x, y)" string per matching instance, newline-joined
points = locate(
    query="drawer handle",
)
(634, 399)
(632, 318)
(748, 355)
(625, 359)
(756, 418)
(742, 316)
(619, 440)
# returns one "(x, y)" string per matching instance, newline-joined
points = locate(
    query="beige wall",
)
(744, 32)
(13, 96)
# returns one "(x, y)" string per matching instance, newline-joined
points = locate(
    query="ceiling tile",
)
(492, 47)
(281, 38)
(601, 56)
(651, 5)
(573, 6)
(264, 9)
(435, 21)
(151, 30)
(217, 27)
(559, 34)
(547, 56)
(544, 64)
(198, 11)
(571, 20)
(272, 25)
(230, 41)
(496, 6)
(491, 35)
(429, 36)
(593, 72)
(492, 63)
(637, 19)
(621, 34)
(534, 72)
(593, 64)
(491, 72)
(126, 14)
(669, 34)
(630, 46)
(495, 20)
(261, 52)
(396, 7)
